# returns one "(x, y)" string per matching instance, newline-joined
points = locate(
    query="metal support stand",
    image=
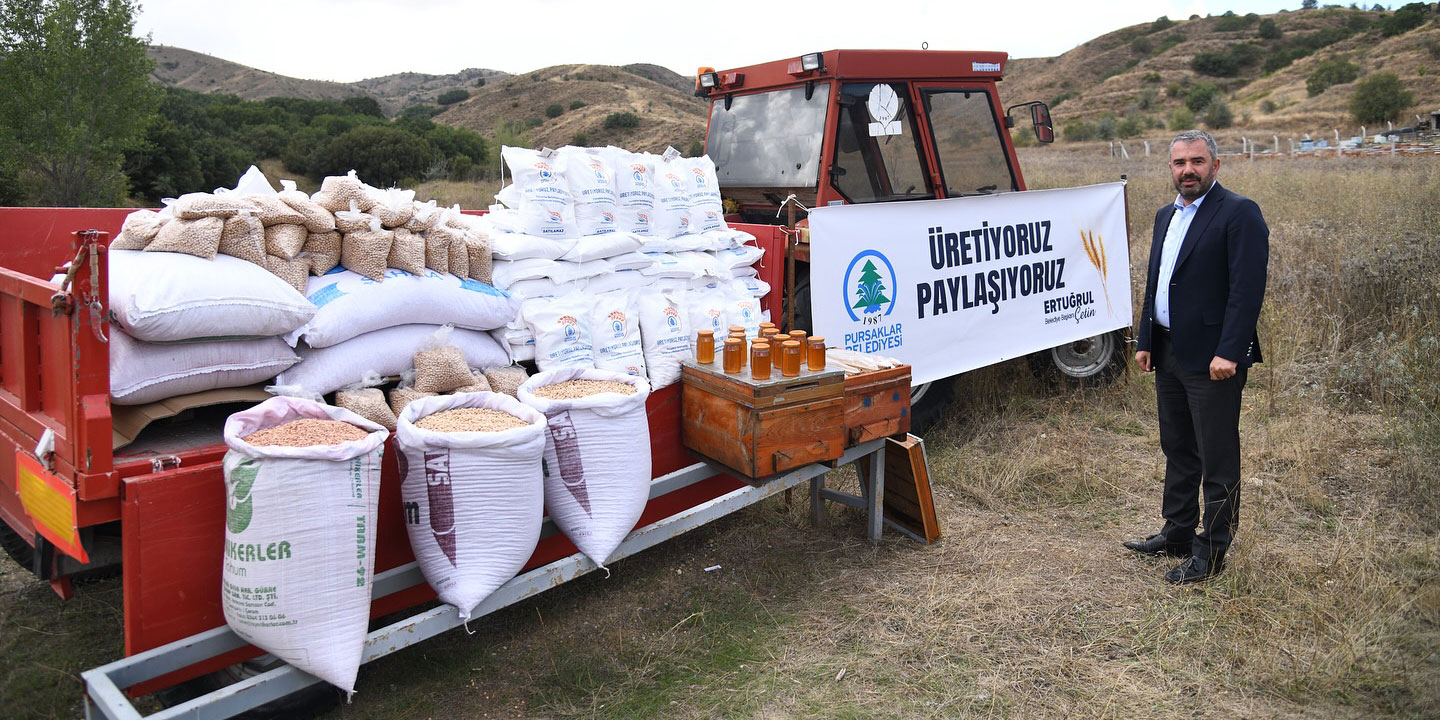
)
(104, 696)
(871, 498)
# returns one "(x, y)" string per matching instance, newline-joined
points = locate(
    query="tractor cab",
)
(861, 126)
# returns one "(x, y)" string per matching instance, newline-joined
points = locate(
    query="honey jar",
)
(731, 356)
(744, 354)
(705, 347)
(791, 351)
(760, 360)
(815, 356)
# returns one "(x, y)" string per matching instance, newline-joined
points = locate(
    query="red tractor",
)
(875, 126)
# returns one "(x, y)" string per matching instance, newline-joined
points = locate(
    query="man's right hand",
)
(1142, 358)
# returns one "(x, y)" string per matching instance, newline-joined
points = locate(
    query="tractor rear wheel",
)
(1090, 362)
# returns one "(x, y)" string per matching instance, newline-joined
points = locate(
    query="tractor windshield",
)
(768, 140)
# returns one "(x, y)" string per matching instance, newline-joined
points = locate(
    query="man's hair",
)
(1190, 136)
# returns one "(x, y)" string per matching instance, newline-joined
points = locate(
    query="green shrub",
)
(1161, 23)
(554, 110)
(1175, 90)
(1268, 106)
(1379, 97)
(1107, 127)
(1404, 20)
(381, 155)
(580, 140)
(480, 82)
(1181, 119)
(577, 104)
(1078, 131)
(1334, 71)
(1269, 29)
(1151, 78)
(1230, 22)
(1148, 98)
(1062, 97)
(1200, 96)
(1141, 45)
(1217, 115)
(620, 120)
(1215, 64)
(1132, 125)
(450, 97)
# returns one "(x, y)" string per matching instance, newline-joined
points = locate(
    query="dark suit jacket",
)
(1218, 283)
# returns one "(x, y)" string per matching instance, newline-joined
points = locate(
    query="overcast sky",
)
(348, 40)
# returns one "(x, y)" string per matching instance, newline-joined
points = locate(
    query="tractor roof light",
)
(812, 62)
(709, 80)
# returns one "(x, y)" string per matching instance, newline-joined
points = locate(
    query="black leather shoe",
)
(1158, 545)
(1194, 570)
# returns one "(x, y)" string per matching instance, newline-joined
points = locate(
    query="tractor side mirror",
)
(1040, 117)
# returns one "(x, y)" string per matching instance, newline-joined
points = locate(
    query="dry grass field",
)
(1330, 606)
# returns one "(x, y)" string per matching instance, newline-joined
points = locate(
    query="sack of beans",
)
(507, 380)
(302, 483)
(472, 488)
(243, 236)
(144, 372)
(315, 218)
(440, 366)
(665, 334)
(285, 240)
(390, 351)
(200, 237)
(367, 401)
(273, 211)
(294, 271)
(367, 251)
(169, 297)
(193, 206)
(139, 228)
(394, 207)
(407, 252)
(340, 192)
(323, 249)
(615, 333)
(597, 454)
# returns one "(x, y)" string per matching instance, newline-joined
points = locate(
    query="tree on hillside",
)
(1309, 4)
(1269, 29)
(74, 96)
(382, 155)
(1379, 97)
(450, 97)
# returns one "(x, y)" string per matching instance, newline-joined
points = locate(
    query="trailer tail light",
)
(812, 62)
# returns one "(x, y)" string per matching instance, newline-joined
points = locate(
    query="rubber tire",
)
(1093, 362)
(312, 701)
(802, 301)
(934, 398)
(16, 547)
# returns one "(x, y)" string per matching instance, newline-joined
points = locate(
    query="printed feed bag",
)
(473, 501)
(597, 459)
(300, 540)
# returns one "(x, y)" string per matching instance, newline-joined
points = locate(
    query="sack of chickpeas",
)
(472, 491)
(302, 481)
(597, 454)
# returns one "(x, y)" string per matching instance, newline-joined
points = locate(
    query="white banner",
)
(952, 285)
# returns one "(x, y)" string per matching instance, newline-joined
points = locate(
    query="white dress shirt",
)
(1174, 236)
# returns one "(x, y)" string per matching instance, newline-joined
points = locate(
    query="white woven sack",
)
(634, 191)
(351, 304)
(543, 287)
(703, 195)
(595, 247)
(671, 265)
(592, 186)
(597, 459)
(390, 351)
(166, 297)
(752, 286)
(300, 540)
(615, 333)
(474, 501)
(142, 372)
(738, 257)
(562, 331)
(707, 310)
(546, 207)
(672, 202)
(665, 335)
(743, 309)
(506, 245)
(618, 280)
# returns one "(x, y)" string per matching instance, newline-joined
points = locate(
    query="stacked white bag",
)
(635, 223)
(185, 324)
(597, 459)
(300, 540)
(478, 497)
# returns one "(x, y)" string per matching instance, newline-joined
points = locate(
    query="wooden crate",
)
(877, 405)
(762, 427)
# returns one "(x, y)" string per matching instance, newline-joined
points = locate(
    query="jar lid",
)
(817, 339)
(790, 344)
(732, 341)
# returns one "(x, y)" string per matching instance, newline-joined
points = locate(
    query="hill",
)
(664, 109)
(1146, 71)
(198, 72)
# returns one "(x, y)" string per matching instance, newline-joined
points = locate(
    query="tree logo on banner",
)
(869, 282)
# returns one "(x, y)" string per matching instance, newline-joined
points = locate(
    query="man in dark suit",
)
(1197, 332)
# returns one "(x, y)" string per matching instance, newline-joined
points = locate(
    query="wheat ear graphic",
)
(1095, 250)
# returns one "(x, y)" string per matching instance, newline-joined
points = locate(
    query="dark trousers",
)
(1200, 435)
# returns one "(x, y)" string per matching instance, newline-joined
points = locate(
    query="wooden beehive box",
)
(877, 405)
(763, 427)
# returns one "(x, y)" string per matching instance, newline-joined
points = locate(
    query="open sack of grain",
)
(302, 484)
(597, 454)
(473, 490)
